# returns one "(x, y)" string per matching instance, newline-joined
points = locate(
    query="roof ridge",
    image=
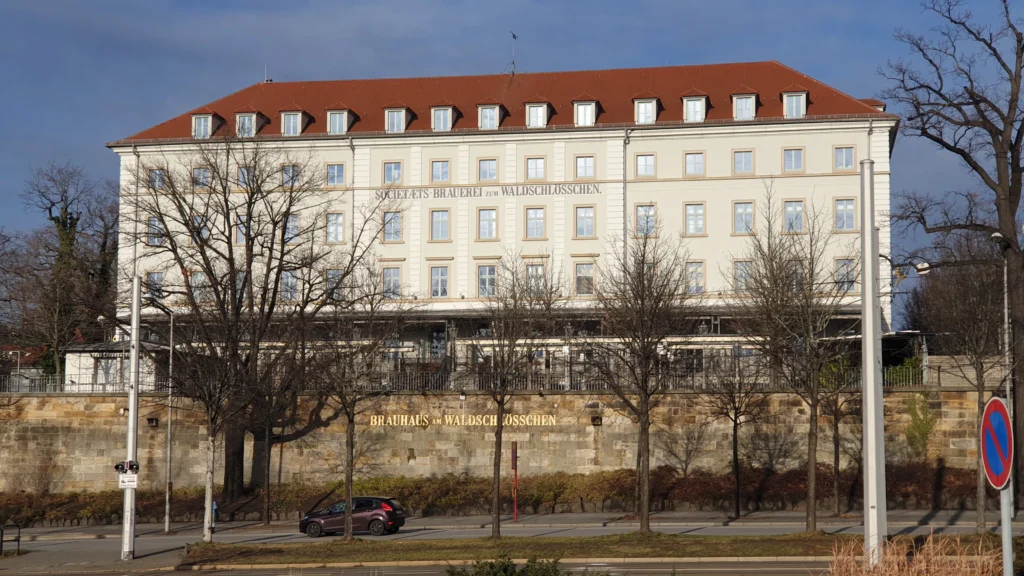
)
(189, 111)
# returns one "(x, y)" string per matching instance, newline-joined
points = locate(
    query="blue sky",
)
(80, 74)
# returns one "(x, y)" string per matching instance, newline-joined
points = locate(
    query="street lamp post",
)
(1007, 337)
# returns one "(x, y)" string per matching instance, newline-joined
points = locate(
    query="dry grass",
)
(948, 556)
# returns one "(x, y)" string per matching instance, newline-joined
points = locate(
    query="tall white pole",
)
(875, 523)
(1007, 367)
(128, 516)
(170, 414)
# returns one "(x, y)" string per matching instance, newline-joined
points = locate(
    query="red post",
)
(515, 483)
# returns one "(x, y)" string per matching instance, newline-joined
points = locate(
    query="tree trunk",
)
(1015, 284)
(266, 474)
(499, 428)
(835, 460)
(260, 457)
(208, 497)
(812, 461)
(234, 463)
(350, 458)
(644, 447)
(735, 469)
(979, 505)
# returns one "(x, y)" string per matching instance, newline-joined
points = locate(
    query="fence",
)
(76, 384)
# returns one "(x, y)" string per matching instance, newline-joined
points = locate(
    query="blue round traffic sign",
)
(997, 443)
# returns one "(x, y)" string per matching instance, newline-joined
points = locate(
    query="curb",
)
(691, 560)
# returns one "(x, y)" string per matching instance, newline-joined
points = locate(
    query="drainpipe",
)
(625, 205)
(352, 218)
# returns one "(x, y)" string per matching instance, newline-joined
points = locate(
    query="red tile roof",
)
(615, 89)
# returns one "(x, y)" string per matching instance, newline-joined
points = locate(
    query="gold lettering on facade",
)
(454, 420)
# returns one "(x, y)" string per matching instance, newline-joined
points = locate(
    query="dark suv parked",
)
(372, 514)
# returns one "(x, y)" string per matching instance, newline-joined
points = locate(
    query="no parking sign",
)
(997, 443)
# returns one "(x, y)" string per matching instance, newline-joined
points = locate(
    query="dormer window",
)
(202, 125)
(291, 123)
(796, 104)
(337, 122)
(441, 118)
(395, 120)
(586, 112)
(536, 115)
(488, 117)
(743, 107)
(646, 111)
(245, 125)
(693, 109)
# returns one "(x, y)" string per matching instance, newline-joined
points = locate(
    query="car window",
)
(360, 504)
(394, 503)
(337, 508)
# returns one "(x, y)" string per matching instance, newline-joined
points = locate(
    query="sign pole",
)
(1006, 517)
(997, 457)
(128, 515)
(515, 482)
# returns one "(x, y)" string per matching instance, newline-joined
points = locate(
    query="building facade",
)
(558, 168)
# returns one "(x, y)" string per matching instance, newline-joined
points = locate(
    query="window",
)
(392, 172)
(793, 218)
(845, 215)
(291, 123)
(335, 278)
(438, 281)
(743, 108)
(488, 170)
(793, 160)
(154, 231)
(694, 219)
(392, 226)
(245, 125)
(536, 116)
(392, 282)
(585, 279)
(488, 223)
(535, 223)
(200, 229)
(438, 225)
(335, 228)
(645, 220)
(535, 279)
(584, 166)
(439, 171)
(335, 174)
(844, 158)
(244, 177)
(396, 121)
(201, 177)
(534, 168)
(743, 162)
(201, 126)
(846, 274)
(645, 166)
(289, 285)
(488, 117)
(645, 111)
(741, 275)
(155, 285)
(694, 163)
(794, 105)
(289, 175)
(442, 119)
(694, 111)
(585, 222)
(485, 277)
(200, 285)
(694, 277)
(291, 228)
(157, 178)
(796, 279)
(743, 218)
(241, 229)
(336, 123)
(585, 113)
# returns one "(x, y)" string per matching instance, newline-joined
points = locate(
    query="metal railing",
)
(76, 384)
(4, 531)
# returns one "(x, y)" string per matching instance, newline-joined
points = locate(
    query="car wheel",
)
(377, 528)
(314, 530)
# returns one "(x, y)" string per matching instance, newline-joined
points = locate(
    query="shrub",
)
(503, 566)
(948, 557)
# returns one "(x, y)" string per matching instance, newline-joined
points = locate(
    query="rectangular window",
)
(155, 285)
(743, 218)
(796, 276)
(392, 172)
(442, 119)
(241, 230)
(200, 229)
(743, 162)
(291, 228)
(694, 110)
(336, 123)
(488, 117)
(584, 166)
(392, 226)
(694, 163)
(439, 171)
(534, 168)
(794, 216)
(154, 231)
(486, 276)
(535, 279)
(289, 285)
(695, 277)
(741, 275)
(694, 219)
(488, 170)
(645, 111)
(535, 116)
(488, 223)
(585, 114)
(585, 222)
(157, 179)
(645, 220)
(535, 223)
(244, 177)
(201, 177)
(645, 166)
(335, 228)
(396, 121)
(585, 279)
(201, 127)
(744, 108)
(439, 225)
(245, 125)
(794, 105)
(846, 274)
(844, 158)
(289, 175)
(200, 286)
(793, 160)
(392, 282)
(438, 281)
(845, 215)
(335, 278)
(335, 174)
(292, 123)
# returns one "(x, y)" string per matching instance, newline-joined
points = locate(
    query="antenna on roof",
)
(514, 38)
(264, 73)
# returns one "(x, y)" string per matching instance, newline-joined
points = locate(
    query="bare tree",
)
(789, 296)
(840, 399)
(735, 390)
(645, 307)
(961, 89)
(682, 447)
